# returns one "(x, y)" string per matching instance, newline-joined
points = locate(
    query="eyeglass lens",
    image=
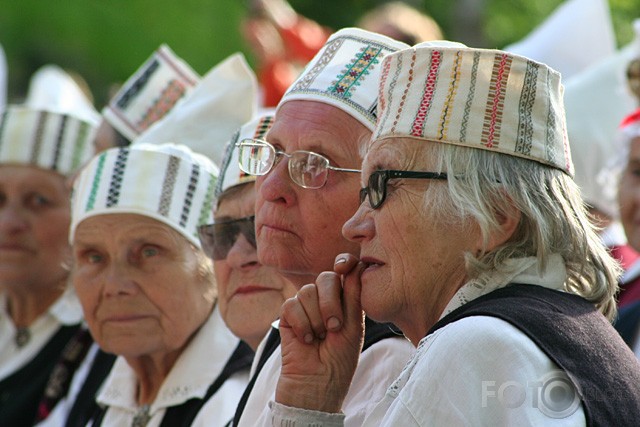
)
(217, 239)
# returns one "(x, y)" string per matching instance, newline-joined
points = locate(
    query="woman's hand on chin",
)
(322, 331)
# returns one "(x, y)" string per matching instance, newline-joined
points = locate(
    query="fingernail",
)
(341, 260)
(333, 323)
(308, 338)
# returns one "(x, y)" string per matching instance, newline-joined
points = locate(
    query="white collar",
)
(195, 370)
(521, 270)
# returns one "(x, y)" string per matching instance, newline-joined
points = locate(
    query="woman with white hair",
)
(476, 244)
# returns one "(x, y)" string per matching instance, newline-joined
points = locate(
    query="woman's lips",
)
(371, 263)
(251, 289)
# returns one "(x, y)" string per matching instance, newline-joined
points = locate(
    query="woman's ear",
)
(508, 220)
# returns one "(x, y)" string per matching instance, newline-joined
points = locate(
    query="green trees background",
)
(106, 40)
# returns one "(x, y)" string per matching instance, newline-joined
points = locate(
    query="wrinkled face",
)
(34, 227)
(629, 195)
(414, 258)
(298, 229)
(140, 285)
(249, 294)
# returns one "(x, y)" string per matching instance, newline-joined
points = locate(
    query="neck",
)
(151, 371)
(27, 305)
(299, 279)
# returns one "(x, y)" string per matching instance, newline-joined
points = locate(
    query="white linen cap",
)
(150, 93)
(224, 100)
(479, 98)
(47, 139)
(167, 182)
(230, 173)
(345, 73)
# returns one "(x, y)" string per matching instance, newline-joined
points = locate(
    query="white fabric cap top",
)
(479, 98)
(167, 182)
(230, 173)
(150, 93)
(224, 100)
(46, 139)
(345, 73)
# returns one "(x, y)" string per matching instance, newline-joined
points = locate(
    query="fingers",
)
(302, 314)
(345, 263)
(329, 288)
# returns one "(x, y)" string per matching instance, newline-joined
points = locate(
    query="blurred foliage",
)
(105, 41)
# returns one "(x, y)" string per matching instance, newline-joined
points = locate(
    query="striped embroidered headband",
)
(47, 139)
(167, 182)
(486, 99)
(150, 93)
(230, 173)
(345, 73)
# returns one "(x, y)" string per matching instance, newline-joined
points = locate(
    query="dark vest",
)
(374, 332)
(577, 338)
(20, 392)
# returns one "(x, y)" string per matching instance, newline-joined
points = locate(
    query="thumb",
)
(351, 290)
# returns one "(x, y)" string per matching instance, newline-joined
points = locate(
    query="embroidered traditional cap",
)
(167, 182)
(630, 126)
(345, 73)
(151, 92)
(230, 173)
(479, 98)
(46, 139)
(224, 100)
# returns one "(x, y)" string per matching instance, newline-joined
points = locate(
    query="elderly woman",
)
(39, 313)
(147, 288)
(250, 295)
(475, 243)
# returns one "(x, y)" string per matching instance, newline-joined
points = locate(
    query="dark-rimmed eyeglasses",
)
(306, 168)
(218, 238)
(376, 189)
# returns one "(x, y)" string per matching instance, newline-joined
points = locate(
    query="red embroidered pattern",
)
(161, 106)
(425, 104)
(495, 107)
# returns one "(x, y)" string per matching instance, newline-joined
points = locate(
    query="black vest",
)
(577, 338)
(20, 392)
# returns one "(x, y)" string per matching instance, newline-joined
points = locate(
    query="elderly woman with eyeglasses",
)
(148, 291)
(475, 243)
(39, 314)
(250, 294)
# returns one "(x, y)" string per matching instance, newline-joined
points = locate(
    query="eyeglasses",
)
(376, 189)
(218, 238)
(306, 168)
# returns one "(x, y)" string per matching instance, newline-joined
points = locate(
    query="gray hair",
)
(483, 186)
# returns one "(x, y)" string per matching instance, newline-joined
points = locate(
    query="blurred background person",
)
(401, 22)
(39, 313)
(282, 42)
(148, 291)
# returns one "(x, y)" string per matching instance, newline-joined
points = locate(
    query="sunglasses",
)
(306, 168)
(218, 238)
(376, 189)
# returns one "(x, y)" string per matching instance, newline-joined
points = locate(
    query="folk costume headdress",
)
(230, 173)
(479, 98)
(48, 139)
(345, 73)
(150, 93)
(167, 182)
